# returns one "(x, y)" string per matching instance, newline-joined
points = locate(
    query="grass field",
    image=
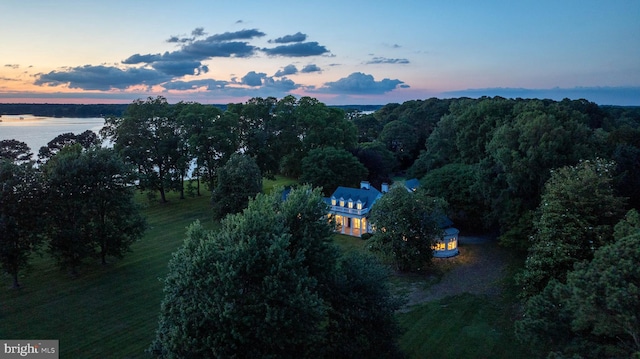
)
(111, 311)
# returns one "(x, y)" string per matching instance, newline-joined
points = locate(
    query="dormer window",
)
(359, 204)
(350, 203)
(341, 202)
(333, 201)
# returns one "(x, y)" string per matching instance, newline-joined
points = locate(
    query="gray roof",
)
(366, 196)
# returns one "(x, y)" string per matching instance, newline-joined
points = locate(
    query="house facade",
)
(350, 208)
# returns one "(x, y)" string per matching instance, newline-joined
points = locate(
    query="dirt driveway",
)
(478, 269)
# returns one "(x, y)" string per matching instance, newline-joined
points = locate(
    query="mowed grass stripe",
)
(108, 311)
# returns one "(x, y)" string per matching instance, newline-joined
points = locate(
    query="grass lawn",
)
(463, 326)
(106, 312)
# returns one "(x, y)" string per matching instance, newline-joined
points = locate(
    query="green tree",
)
(401, 139)
(20, 216)
(265, 286)
(211, 135)
(576, 216)
(455, 183)
(85, 139)
(15, 151)
(90, 207)
(147, 137)
(238, 181)
(407, 225)
(330, 167)
(594, 314)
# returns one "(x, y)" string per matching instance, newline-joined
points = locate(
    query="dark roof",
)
(366, 196)
(412, 184)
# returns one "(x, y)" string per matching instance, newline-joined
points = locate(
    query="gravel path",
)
(478, 269)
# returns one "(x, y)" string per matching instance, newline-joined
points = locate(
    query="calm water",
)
(38, 131)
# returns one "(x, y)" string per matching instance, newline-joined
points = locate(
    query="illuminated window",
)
(452, 244)
(356, 223)
(341, 202)
(359, 204)
(439, 246)
(333, 201)
(364, 224)
(350, 203)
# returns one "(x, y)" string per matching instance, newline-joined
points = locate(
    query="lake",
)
(37, 131)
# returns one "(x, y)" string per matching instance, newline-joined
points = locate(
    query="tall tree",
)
(85, 139)
(15, 151)
(212, 136)
(330, 167)
(91, 212)
(269, 284)
(238, 181)
(21, 215)
(407, 225)
(576, 216)
(147, 137)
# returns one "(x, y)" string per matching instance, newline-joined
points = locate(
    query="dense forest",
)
(557, 182)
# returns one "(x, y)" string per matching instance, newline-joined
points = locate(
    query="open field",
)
(111, 311)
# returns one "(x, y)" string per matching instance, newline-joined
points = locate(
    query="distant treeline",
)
(105, 110)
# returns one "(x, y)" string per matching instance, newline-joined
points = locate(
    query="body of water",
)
(37, 131)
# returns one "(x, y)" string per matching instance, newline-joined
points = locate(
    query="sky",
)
(340, 52)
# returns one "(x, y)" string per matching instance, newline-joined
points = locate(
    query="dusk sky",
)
(340, 52)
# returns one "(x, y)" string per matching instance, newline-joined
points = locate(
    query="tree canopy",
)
(238, 181)
(407, 226)
(270, 284)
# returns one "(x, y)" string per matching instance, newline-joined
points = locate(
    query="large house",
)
(350, 208)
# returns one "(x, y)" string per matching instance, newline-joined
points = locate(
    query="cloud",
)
(287, 70)
(253, 78)
(208, 84)
(13, 66)
(359, 83)
(142, 59)
(246, 34)
(384, 60)
(311, 68)
(198, 31)
(103, 78)
(297, 50)
(297, 37)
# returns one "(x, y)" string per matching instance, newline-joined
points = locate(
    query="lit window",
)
(356, 223)
(452, 244)
(350, 203)
(341, 202)
(439, 246)
(333, 201)
(359, 204)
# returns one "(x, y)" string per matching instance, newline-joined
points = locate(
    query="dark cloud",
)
(198, 31)
(203, 49)
(287, 70)
(142, 59)
(246, 34)
(209, 84)
(103, 78)
(361, 84)
(297, 37)
(180, 68)
(311, 68)
(384, 60)
(297, 50)
(13, 66)
(253, 78)
(176, 39)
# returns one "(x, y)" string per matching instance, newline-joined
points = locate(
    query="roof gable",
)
(366, 196)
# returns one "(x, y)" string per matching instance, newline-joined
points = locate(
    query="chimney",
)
(364, 185)
(384, 188)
